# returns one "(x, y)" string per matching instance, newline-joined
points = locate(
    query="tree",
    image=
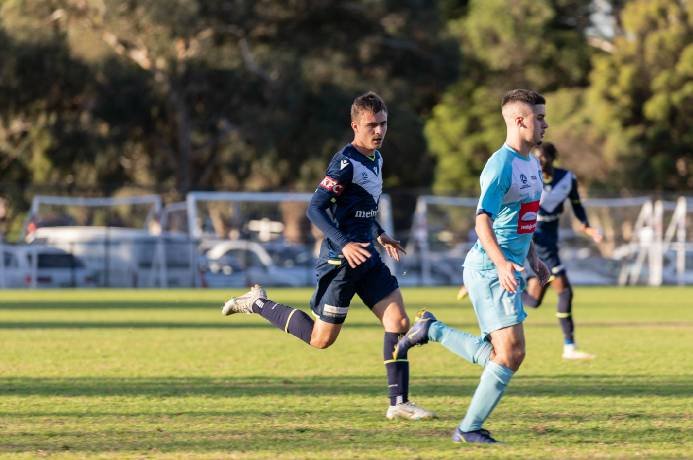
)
(641, 96)
(503, 45)
(248, 94)
(44, 127)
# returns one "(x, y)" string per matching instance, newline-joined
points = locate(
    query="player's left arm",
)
(581, 214)
(391, 245)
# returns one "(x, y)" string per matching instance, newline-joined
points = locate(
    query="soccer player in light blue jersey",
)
(506, 217)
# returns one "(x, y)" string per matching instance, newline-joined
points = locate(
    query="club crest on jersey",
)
(331, 185)
(527, 220)
(343, 164)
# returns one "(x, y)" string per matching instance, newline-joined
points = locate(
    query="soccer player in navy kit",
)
(344, 208)
(559, 185)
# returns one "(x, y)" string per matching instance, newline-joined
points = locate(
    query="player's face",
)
(537, 125)
(370, 129)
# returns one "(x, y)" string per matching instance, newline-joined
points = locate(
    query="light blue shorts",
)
(495, 307)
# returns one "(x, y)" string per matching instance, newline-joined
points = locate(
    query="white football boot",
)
(571, 352)
(244, 303)
(408, 411)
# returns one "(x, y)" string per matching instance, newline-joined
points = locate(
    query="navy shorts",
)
(338, 282)
(549, 255)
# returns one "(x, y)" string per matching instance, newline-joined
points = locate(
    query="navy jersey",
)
(345, 204)
(562, 186)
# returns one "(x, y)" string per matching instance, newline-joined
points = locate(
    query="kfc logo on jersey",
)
(527, 221)
(331, 185)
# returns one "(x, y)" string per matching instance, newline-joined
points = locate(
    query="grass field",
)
(144, 374)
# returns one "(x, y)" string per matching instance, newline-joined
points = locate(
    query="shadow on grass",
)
(275, 427)
(264, 386)
(108, 305)
(413, 440)
(225, 323)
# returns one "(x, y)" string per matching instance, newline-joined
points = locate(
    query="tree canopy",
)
(641, 97)
(103, 97)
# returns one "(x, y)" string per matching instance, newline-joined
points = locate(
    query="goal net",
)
(118, 239)
(635, 248)
(254, 237)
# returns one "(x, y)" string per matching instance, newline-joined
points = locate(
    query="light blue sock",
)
(494, 379)
(476, 350)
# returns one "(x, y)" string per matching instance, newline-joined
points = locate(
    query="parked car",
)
(238, 263)
(44, 267)
(127, 257)
(11, 273)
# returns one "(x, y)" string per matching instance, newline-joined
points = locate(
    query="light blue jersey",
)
(511, 186)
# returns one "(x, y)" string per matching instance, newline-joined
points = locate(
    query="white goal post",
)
(119, 238)
(237, 204)
(674, 237)
(421, 235)
(637, 247)
(154, 201)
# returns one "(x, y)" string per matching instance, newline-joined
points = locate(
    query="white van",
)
(43, 267)
(126, 257)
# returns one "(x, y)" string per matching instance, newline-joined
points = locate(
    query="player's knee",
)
(515, 359)
(511, 358)
(399, 323)
(321, 342)
(404, 324)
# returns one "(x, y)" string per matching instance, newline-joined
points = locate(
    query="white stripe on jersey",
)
(552, 198)
(366, 179)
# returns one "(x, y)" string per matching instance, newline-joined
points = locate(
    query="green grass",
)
(143, 374)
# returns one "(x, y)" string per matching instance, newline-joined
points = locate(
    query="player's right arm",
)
(495, 183)
(506, 269)
(338, 177)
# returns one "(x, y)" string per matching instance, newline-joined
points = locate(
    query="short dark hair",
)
(548, 150)
(367, 101)
(523, 95)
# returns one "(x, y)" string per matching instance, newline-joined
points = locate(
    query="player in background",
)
(559, 185)
(506, 218)
(344, 208)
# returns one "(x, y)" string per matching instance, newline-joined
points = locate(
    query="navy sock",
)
(529, 301)
(291, 320)
(565, 315)
(397, 370)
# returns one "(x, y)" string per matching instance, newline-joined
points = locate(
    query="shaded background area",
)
(113, 97)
